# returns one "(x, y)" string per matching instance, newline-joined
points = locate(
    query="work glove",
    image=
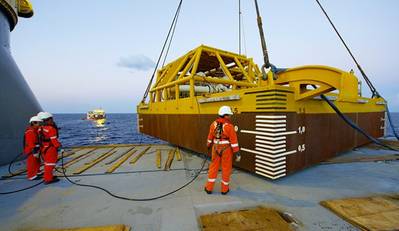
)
(238, 156)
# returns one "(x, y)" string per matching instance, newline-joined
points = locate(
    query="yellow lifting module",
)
(212, 75)
(279, 114)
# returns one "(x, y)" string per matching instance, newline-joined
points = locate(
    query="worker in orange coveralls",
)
(32, 148)
(222, 139)
(50, 146)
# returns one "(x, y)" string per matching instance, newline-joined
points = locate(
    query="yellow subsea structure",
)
(283, 123)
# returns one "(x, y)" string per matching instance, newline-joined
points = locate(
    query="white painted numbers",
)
(301, 130)
(301, 148)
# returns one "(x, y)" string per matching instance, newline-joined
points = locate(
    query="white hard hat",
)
(44, 115)
(35, 119)
(225, 110)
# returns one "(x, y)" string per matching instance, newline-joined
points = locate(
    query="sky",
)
(80, 55)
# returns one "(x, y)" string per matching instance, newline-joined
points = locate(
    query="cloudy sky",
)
(78, 55)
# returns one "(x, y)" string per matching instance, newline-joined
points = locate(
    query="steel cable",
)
(365, 77)
(163, 48)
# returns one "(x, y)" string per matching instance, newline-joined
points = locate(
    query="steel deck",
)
(64, 205)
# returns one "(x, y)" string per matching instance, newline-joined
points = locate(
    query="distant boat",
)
(97, 115)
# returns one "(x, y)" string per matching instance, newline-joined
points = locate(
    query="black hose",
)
(12, 174)
(127, 198)
(355, 126)
(20, 190)
(13, 160)
(365, 77)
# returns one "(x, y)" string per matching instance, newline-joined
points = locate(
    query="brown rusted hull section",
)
(272, 144)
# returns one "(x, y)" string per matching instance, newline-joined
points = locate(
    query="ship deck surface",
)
(63, 205)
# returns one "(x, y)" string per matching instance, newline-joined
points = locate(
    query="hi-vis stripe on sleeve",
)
(209, 141)
(53, 137)
(234, 145)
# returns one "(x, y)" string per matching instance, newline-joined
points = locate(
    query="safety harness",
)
(220, 138)
(44, 139)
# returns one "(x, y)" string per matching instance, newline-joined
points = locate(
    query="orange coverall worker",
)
(223, 148)
(31, 149)
(49, 147)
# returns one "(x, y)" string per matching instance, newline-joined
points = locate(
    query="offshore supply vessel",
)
(97, 115)
(283, 119)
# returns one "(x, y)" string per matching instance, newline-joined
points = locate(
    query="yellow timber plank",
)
(115, 145)
(120, 156)
(23, 170)
(158, 160)
(95, 161)
(169, 161)
(125, 157)
(137, 157)
(178, 154)
(80, 157)
(97, 228)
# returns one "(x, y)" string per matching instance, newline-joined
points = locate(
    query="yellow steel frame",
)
(325, 79)
(184, 71)
(242, 73)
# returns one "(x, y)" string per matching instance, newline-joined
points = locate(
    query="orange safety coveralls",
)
(49, 147)
(31, 149)
(222, 151)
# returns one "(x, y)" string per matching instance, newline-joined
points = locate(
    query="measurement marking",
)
(271, 125)
(268, 133)
(271, 151)
(270, 142)
(271, 121)
(265, 156)
(271, 147)
(269, 168)
(270, 177)
(271, 116)
(279, 138)
(270, 173)
(271, 129)
(273, 155)
(268, 163)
